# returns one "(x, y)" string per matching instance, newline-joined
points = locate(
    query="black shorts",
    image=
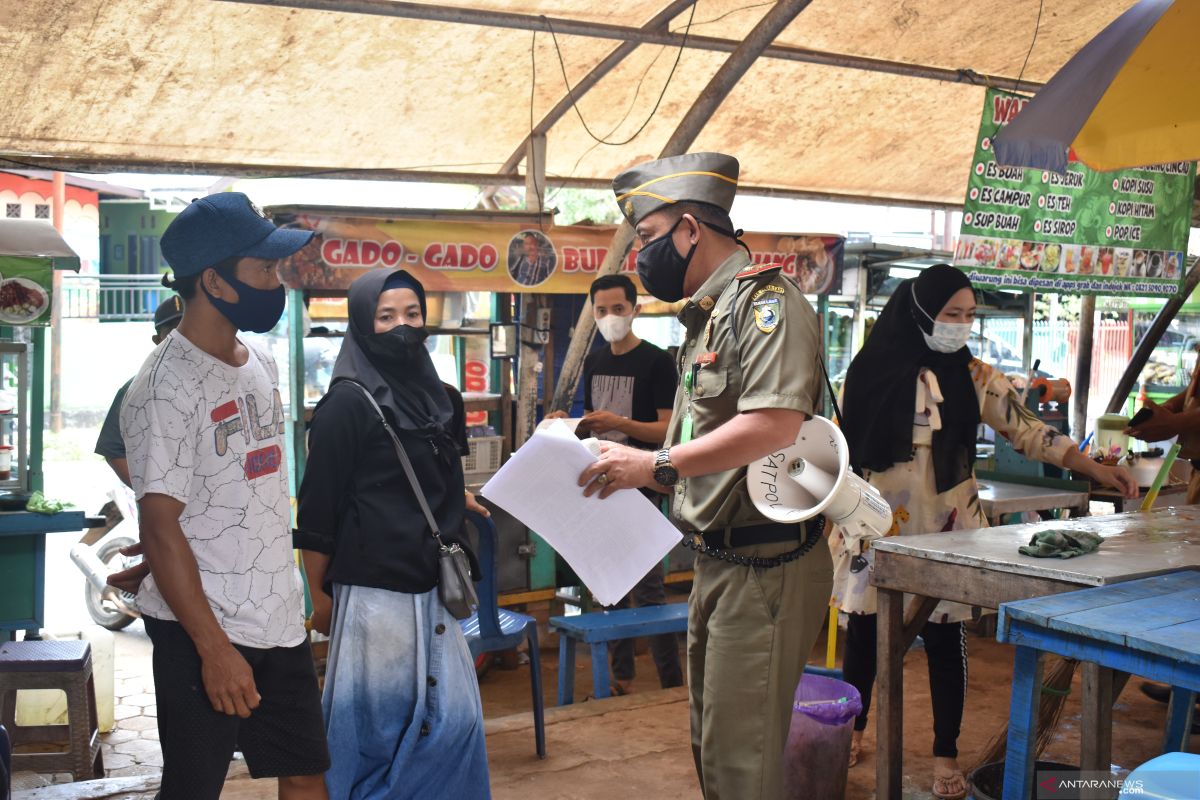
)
(283, 737)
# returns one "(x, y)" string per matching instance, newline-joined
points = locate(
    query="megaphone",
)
(813, 476)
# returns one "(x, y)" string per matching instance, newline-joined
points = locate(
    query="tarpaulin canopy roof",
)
(867, 100)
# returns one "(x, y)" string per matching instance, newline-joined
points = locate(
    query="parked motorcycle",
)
(98, 555)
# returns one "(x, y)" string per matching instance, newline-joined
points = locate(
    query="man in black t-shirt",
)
(629, 390)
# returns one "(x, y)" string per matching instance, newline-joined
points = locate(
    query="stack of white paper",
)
(611, 544)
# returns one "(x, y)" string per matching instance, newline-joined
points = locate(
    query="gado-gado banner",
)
(505, 257)
(1122, 232)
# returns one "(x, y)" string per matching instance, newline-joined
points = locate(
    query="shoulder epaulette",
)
(758, 270)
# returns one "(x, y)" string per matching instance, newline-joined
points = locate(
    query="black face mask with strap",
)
(662, 268)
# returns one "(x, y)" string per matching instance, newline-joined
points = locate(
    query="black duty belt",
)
(720, 544)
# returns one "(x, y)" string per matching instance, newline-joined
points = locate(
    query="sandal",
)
(855, 750)
(950, 787)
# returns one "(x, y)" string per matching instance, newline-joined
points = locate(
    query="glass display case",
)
(14, 416)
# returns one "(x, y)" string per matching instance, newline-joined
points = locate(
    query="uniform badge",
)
(708, 330)
(629, 208)
(706, 303)
(767, 310)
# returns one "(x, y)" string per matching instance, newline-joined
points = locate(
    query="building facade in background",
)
(28, 194)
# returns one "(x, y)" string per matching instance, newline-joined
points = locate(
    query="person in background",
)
(401, 702)
(109, 443)
(751, 379)
(913, 401)
(204, 427)
(1179, 417)
(629, 389)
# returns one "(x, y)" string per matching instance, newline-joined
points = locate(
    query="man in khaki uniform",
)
(750, 377)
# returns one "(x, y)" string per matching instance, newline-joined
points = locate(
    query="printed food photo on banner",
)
(531, 258)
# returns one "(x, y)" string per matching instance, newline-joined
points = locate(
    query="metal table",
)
(983, 568)
(997, 498)
(1104, 494)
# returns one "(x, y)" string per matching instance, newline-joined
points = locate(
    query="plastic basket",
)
(484, 458)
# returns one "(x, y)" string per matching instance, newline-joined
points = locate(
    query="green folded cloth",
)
(1061, 544)
(38, 503)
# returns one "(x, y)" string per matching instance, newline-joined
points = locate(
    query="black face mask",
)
(256, 311)
(661, 268)
(397, 347)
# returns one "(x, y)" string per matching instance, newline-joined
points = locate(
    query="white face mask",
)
(948, 337)
(614, 328)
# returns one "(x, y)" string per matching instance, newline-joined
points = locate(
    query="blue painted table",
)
(984, 568)
(1148, 627)
(23, 563)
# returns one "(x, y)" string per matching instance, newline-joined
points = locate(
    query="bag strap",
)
(837, 410)
(404, 462)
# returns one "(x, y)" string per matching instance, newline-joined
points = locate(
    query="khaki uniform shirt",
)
(753, 341)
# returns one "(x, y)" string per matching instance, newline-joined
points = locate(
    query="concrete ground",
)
(638, 744)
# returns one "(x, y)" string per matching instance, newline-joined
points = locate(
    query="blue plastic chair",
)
(493, 628)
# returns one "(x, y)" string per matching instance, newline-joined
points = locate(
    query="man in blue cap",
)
(204, 431)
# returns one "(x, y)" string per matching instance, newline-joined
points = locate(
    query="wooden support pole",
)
(58, 203)
(710, 99)
(567, 26)
(1083, 368)
(529, 365)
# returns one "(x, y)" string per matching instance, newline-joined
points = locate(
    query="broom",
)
(1056, 686)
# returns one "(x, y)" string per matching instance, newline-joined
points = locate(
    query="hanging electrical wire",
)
(666, 84)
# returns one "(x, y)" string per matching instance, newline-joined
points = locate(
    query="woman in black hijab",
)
(402, 709)
(913, 401)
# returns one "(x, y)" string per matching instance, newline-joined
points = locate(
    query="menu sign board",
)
(1121, 232)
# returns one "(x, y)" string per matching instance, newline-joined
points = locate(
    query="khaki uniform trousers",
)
(750, 632)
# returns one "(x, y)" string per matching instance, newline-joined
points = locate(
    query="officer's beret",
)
(693, 177)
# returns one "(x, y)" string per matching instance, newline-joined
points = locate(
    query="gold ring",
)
(602, 479)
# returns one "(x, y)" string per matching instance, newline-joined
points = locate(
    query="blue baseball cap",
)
(221, 226)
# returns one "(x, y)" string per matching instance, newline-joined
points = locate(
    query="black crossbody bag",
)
(455, 587)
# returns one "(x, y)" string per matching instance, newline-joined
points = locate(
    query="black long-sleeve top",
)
(356, 504)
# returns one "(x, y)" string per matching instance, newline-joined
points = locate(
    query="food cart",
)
(30, 252)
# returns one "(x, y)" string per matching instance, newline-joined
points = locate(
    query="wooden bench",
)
(598, 628)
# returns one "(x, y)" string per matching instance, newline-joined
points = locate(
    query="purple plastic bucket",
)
(817, 755)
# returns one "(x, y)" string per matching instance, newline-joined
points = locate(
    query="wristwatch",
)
(665, 473)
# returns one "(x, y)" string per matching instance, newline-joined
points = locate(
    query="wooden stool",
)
(65, 665)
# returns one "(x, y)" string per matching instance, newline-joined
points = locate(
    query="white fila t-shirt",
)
(211, 436)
